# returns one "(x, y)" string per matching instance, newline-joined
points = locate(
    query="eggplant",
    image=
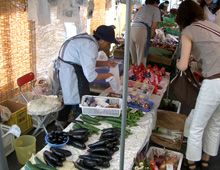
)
(109, 139)
(53, 158)
(109, 135)
(77, 144)
(48, 161)
(99, 143)
(79, 131)
(117, 142)
(102, 156)
(115, 149)
(81, 167)
(77, 137)
(60, 155)
(110, 129)
(100, 149)
(109, 145)
(65, 152)
(89, 163)
(105, 164)
(92, 158)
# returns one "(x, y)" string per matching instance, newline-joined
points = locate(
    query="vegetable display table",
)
(133, 144)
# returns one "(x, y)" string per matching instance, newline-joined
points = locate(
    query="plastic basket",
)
(150, 104)
(7, 140)
(140, 90)
(19, 114)
(101, 111)
(161, 151)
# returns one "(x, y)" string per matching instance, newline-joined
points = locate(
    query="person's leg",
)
(133, 47)
(76, 111)
(204, 109)
(141, 40)
(63, 114)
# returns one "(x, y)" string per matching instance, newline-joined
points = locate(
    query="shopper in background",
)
(203, 139)
(163, 7)
(76, 65)
(142, 29)
(211, 10)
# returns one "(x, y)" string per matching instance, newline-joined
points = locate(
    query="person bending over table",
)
(76, 66)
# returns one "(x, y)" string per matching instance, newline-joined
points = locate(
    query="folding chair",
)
(39, 107)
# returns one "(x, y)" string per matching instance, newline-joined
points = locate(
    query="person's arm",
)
(102, 76)
(153, 28)
(106, 63)
(182, 63)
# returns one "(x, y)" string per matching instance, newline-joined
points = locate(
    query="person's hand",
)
(111, 63)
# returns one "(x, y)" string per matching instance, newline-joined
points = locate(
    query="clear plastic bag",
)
(115, 82)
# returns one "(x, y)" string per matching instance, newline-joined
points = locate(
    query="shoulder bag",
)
(184, 87)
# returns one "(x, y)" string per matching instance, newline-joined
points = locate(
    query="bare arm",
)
(103, 76)
(106, 63)
(182, 63)
(153, 28)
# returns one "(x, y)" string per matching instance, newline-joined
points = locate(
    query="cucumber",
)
(88, 126)
(99, 118)
(113, 119)
(89, 118)
(45, 167)
(89, 121)
(30, 166)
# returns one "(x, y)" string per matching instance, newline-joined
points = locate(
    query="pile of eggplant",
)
(100, 152)
(56, 137)
(56, 156)
(78, 137)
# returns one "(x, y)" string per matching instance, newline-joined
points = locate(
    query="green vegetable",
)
(30, 166)
(45, 167)
(89, 121)
(89, 118)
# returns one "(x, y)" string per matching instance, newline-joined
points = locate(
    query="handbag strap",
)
(207, 28)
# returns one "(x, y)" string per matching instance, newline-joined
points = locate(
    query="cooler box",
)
(106, 70)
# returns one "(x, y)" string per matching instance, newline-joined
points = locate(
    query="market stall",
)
(134, 143)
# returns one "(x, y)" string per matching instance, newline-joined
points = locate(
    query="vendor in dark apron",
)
(76, 67)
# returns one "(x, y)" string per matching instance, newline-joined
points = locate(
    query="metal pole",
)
(3, 161)
(125, 82)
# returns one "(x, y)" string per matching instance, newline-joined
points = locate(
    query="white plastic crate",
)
(101, 111)
(161, 151)
(7, 139)
(35, 122)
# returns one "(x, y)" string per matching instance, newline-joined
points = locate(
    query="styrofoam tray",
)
(161, 151)
(101, 111)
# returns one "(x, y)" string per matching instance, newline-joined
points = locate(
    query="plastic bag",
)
(115, 82)
(43, 86)
(5, 113)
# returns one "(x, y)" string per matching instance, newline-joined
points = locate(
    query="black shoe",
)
(184, 140)
(204, 167)
(189, 166)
